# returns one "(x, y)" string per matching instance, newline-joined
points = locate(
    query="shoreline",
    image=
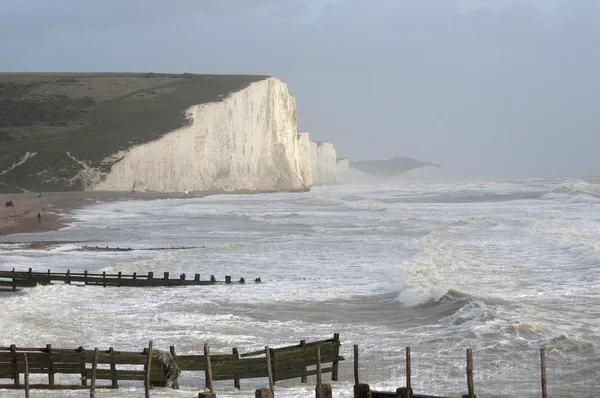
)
(58, 207)
(55, 209)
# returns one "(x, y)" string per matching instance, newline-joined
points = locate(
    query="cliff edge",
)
(148, 132)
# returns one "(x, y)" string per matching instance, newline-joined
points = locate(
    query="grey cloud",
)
(491, 91)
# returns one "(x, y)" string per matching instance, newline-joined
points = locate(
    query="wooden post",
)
(113, 368)
(134, 277)
(15, 364)
(14, 287)
(269, 369)
(319, 376)
(212, 279)
(104, 278)
(50, 365)
(336, 362)
(543, 370)
(227, 279)
(236, 380)
(197, 278)
(26, 375)
(30, 273)
(94, 367)
(408, 373)
(148, 366)
(119, 278)
(470, 385)
(403, 392)
(326, 391)
(68, 277)
(166, 276)
(264, 393)
(182, 277)
(82, 366)
(85, 278)
(209, 377)
(362, 391)
(356, 381)
(303, 345)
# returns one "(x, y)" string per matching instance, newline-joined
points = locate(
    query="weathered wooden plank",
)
(50, 365)
(270, 368)
(470, 385)
(148, 367)
(94, 374)
(296, 348)
(294, 374)
(319, 374)
(58, 356)
(198, 362)
(26, 376)
(48, 387)
(107, 374)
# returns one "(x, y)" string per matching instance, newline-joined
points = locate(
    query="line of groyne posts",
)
(364, 390)
(322, 390)
(30, 278)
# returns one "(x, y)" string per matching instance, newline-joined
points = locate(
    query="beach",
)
(54, 208)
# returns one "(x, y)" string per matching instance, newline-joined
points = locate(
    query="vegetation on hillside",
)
(91, 117)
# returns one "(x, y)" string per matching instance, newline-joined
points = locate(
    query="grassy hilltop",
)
(91, 117)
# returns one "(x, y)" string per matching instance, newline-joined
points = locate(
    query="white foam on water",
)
(500, 266)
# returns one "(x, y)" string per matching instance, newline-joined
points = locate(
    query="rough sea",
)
(504, 267)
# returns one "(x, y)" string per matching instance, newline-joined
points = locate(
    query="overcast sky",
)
(506, 90)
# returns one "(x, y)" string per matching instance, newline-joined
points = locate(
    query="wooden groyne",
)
(42, 245)
(18, 279)
(55, 369)
(128, 249)
(154, 368)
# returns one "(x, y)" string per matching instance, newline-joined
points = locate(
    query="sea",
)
(501, 267)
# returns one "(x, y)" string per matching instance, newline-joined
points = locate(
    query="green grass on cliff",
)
(92, 116)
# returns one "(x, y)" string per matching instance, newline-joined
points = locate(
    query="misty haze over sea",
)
(486, 89)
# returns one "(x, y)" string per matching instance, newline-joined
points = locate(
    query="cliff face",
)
(304, 159)
(247, 141)
(155, 132)
(312, 152)
(66, 131)
(326, 163)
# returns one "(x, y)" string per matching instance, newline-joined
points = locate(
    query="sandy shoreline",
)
(55, 208)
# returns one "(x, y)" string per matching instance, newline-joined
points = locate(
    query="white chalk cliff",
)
(326, 163)
(342, 170)
(322, 162)
(246, 142)
(304, 159)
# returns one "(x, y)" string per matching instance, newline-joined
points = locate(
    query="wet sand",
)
(55, 209)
